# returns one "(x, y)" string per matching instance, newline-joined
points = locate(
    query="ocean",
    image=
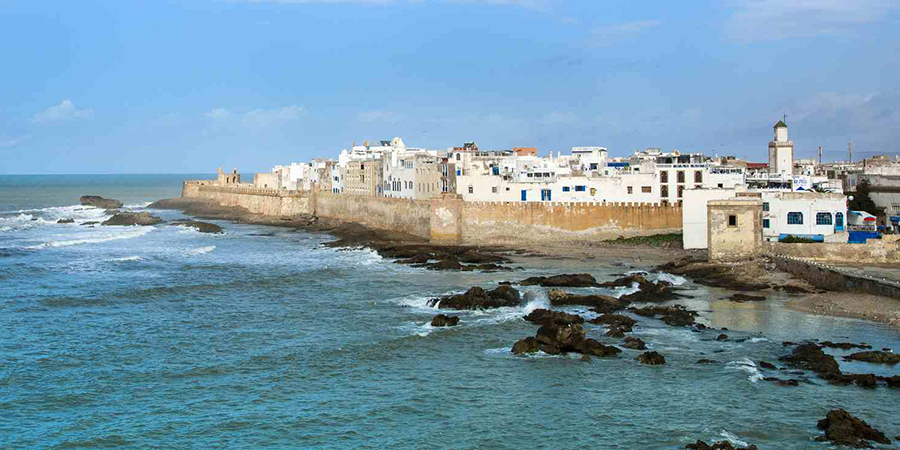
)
(163, 337)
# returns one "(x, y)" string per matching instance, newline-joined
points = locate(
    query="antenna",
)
(850, 150)
(820, 155)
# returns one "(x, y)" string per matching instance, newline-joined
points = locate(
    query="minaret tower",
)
(781, 152)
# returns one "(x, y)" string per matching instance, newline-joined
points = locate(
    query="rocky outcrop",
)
(842, 428)
(598, 303)
(780, 382)
(615, 320)
(87, 224)
(651, 359)
(65, 221)
(554, 339)
(433, 256)
(478, 298)
(721, 445)
(810, 357)
(722, 337)
(743, 298)
(100, 202)
(766, 365)
(876, 357)
(566, 280)
(723, 276)
(844, 345)
(542, 316)
(634, 343)
(648, 291)
(130, 219)
(676, 315)
(443, 320)
(202, 227)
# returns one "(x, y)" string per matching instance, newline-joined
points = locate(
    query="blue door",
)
(545, 195)
(839, 222)
(524, 195)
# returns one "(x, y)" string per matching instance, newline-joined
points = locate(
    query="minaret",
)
(781, 152)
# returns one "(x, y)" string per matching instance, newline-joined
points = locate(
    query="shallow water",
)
(162, 337)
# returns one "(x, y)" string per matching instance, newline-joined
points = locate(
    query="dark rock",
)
(555, 339)
(676, 315)
(721, 445)
(787, 343)
(89, 224)
(527, 345)
(842, 428)
(202, 227)
(100, 202)
(564, 337)
(615, 320)
(443, 320)
(585, 357)
(130, 219)
(472, 256)
(844, 345)
(628, 281)
(810, 357)
(722, 337)
(705, 361)
(421, 258)
(478, 298)
(112, 212)
(715, 275)
(742, 298)
(65, 221)
(598, 303)
(876, 357)
(780, 382)
(542, 316)
(791, 289)
(767, 365)
(651, 358)
(567, 280)
(595, 348)
(648, 292)
(616, 332)
(634, 343)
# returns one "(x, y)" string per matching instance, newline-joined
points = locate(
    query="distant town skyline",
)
(185, 86)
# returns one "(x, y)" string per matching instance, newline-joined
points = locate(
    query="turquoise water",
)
(162, 337)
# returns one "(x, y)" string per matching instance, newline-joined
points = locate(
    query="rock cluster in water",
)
(842, 428)
(651, 359)
(560, 336)
(131, 219)
(811, 357)
(100, 202)
(202, 227)
(443, 320)
(566, 280)
(722, 445)
(478, 298)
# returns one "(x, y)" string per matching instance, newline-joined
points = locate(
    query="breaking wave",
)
(201, 250)
(105, 237)
(746, 365)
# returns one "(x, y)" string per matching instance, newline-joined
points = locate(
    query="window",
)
(630, 190)
(646, 189)
(680, 191)
(698, 177)
(471, 190)
(765, 223)
(530, 175)
(765, 206)
(681, 176)
(732, 220)
(795, 218)
(721, 185)
(593, 166)
(823, 218)
(566, 189)
(698, 186)
(538, 175)
(664, 191)
(664, 176)
(579, 188)
(493, 189)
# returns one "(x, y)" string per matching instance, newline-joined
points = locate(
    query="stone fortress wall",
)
(449, 219)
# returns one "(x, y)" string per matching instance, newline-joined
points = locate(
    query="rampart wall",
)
(875, 251)
(449, 219)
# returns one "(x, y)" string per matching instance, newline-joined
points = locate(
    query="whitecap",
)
(138, 205)
(669, 278)
(618, 292)
(104, 237)
(201, 250)
(746, 365)
(730, 437)
(126, 259)
(757, 339)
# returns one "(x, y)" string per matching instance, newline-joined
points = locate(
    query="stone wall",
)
(875, 251)
(394, 214)
(824, 277)
(734, 230)
(449, 219)
(548, 222)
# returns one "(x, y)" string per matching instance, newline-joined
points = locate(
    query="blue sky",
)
(179, 86)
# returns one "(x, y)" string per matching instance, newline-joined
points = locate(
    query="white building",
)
(781, 152)
(805, 214)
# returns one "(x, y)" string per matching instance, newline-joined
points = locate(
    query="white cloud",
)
(258, 117)
(267, 117)
(380, 116)
(765, 20)
(610, 34)
(63, 111)
(218, 113)
(14, 141)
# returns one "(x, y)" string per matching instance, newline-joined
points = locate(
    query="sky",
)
(186, 86)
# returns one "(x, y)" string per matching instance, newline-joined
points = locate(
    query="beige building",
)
(735, 229)
(364, 178)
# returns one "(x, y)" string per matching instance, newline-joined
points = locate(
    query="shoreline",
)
(736, 278)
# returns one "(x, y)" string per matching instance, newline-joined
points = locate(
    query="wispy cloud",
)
(63, 111)
(13, 141)
(765, 20)
(610, 34)
(380, 116)
(218, 113)
(258, 117)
